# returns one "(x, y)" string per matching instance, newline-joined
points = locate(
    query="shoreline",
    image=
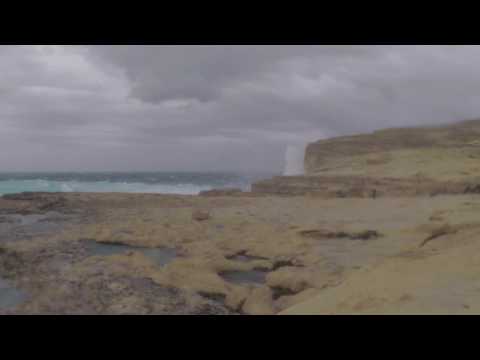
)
(117, 253)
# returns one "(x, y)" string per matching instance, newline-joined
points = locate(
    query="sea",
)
(184, 183)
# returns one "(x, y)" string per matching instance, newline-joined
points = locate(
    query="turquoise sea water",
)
(135, 182)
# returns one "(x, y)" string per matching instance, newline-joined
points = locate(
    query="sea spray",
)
(294, 157)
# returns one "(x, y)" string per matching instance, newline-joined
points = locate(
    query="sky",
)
(216, 108)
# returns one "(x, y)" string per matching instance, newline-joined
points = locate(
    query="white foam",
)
(17, 186)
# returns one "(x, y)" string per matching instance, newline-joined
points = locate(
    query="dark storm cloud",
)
(159, 73)
(216, 107)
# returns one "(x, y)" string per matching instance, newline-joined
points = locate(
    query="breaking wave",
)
(165, 183)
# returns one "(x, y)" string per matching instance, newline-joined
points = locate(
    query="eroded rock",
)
(289, 281)
(259, 302)
(326, 234)
(439, 232)
(200, 215)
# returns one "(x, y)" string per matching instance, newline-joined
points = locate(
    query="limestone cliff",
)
(403, 161)
(442, 152)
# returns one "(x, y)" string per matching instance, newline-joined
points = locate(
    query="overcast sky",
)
(216, 107)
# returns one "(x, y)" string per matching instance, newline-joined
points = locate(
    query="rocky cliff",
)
(403, 161)
(450, 151)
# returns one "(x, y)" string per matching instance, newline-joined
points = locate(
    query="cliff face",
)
(329, 187)
(408, 161)
(444, 151)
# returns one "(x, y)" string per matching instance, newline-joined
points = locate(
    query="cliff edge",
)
(392, 162)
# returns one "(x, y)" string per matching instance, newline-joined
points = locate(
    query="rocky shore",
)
(153, 254)
(381, 226)
(394, 162)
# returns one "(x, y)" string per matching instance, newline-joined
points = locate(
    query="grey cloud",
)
(216, 107)
(159, 73)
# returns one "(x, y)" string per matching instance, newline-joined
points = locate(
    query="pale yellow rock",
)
(442, 282)
(237, 297)
(444, 152)
(259, 302)
(291, 278)
(286, 302)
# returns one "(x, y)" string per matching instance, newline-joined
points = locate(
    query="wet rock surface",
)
(146, 254)
(46, 270)
(252, 277)
(159, 256)
(10, 297)
(59, 281)
(14, 227)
